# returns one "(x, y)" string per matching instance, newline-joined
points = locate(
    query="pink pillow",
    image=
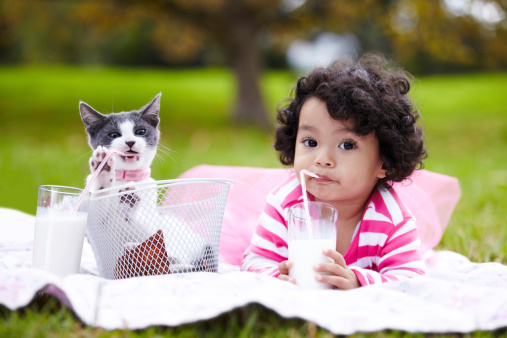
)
(430, 196)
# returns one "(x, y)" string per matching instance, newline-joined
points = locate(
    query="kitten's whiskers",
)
(87, 154)
(164, 150)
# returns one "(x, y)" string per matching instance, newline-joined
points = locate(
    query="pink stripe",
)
(388, 278)
(274, 214)
(381, 227)
(350, 259)
(268, 254)
(400, 259)
(402, 240)
(272, 271)
(295, 196)
(370, 279)
(368, 251)
(380, 204)
(271, 237)
(360, 277)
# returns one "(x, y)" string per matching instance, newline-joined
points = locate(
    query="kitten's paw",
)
(106, 177)
(128, 204)
(98, 155)
(131, 199)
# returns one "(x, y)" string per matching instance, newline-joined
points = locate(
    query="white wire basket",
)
(162, 227)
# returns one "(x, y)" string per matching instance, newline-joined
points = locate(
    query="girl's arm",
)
(399, 259)
(268, 246)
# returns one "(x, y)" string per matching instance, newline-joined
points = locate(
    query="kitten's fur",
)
(137, 133)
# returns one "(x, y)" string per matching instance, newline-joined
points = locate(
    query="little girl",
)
(353, 125)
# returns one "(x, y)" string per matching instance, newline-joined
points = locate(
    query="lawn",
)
(43, 142)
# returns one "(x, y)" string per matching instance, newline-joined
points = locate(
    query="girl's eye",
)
(140, 132)
(347, 145)
(114, 135)
(310, 143)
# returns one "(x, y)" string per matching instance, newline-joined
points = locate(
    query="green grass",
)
(42, 141)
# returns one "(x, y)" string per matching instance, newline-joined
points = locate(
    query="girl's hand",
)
(341, 276)
(284, 272)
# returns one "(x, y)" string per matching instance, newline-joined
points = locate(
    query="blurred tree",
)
(419, 33)
(233, 25)
(425, 35)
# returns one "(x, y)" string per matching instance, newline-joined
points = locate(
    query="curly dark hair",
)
(372, 93)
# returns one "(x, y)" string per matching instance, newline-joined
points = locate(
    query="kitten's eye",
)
(114, 135)
(347, 145)
(140, 132)
(310, 143)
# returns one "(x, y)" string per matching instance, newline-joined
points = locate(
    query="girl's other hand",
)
(341, 276)
(284, 272)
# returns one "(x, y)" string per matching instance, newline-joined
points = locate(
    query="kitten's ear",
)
(151, 110)
(89, 115)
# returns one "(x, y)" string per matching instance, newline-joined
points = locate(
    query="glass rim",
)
(312, 202)
(300, 205)
(60, 188)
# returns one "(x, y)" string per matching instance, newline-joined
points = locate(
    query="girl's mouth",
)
(323, 179)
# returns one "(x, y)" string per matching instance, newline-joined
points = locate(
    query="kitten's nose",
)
(130, 143)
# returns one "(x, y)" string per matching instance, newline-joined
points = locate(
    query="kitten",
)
(135, 133)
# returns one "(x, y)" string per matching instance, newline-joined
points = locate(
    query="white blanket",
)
(455, 296)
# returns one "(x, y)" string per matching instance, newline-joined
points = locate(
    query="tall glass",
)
(59, 231)
(307, 242)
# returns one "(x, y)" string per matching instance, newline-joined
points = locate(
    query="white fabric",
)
(456, 295)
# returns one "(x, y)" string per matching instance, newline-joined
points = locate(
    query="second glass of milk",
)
(59, 230)
(306, 245)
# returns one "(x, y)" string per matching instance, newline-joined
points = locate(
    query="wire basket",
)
(157, 228)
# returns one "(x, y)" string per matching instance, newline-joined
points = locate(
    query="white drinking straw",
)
(305, 200)
(97, 171)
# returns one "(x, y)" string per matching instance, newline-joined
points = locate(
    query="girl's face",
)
(348, 165)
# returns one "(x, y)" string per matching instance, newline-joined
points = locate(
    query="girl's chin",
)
(319, 197)
(324, 194)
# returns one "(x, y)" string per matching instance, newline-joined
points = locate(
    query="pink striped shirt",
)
(384, 247)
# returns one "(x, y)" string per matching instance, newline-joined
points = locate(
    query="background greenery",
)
(249, 36)
(43, 142)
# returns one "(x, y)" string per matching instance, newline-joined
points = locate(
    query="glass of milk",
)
(59, 229)
(306, 244)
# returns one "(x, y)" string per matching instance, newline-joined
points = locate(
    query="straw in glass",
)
(302, 174)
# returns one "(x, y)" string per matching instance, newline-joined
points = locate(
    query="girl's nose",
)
(325, 159)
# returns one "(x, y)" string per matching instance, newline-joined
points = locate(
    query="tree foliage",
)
(245, 35)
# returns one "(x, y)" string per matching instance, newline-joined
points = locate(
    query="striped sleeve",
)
(268, 246)
(388, 243)
(400, 258)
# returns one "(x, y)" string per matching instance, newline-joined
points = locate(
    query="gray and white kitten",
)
(135, 133)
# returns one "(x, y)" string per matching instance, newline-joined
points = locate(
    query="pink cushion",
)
(430, 196)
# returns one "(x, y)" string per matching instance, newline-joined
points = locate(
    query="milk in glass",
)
(59, 230)
(306, 243)
(58, 243)
(304, 254)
